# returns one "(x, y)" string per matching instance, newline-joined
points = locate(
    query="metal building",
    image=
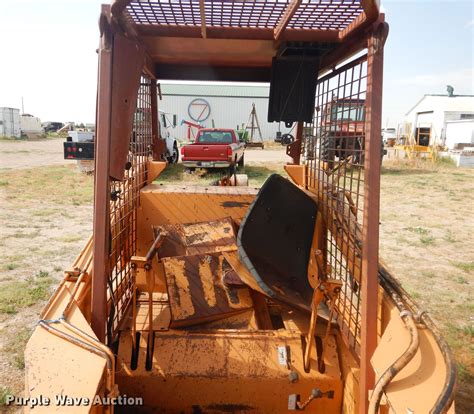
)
(10, 122)
(442, 120)
(225, 106)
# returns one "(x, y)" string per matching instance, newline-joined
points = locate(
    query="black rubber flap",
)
(275, 238)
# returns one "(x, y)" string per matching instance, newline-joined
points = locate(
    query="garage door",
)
(425, 119)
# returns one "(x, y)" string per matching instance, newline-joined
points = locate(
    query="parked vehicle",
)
(167, 123)
(50, 126)
(79, 145)
(343, 126)
(230, 299)
(214, 148)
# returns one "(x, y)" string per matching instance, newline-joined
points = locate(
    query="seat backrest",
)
(275, 239)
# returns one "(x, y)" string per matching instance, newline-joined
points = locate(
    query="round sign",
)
(199, 110)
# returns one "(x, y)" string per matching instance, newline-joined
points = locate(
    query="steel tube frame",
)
(101, 225)
(370, 233)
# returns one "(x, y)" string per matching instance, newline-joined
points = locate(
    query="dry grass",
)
(426, 238)
(176, 174)
(45, 221)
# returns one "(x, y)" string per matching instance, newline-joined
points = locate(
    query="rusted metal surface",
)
(101, 222)
(205, 22)
(202, 12)
(335, 175)
(294, 149)
(370, 231)
(250, 33)
(128, 61)
(264, 14)
(123, 213)
(286, 18)
(197, 292)
(197, 238)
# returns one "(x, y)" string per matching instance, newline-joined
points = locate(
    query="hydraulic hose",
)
(398, 365)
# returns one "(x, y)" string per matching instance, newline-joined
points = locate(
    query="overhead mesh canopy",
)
(264, 14)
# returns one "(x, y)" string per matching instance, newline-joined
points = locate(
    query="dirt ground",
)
(29, 154)
(427, 222)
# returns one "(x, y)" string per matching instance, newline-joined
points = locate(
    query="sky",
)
(48, 55)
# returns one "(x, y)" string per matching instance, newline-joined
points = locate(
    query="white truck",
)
(79, 145)
(167, 124)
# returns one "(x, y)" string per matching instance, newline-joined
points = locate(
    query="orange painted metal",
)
(297, 173)
(227, 371)
(155, 168)
(209, 340)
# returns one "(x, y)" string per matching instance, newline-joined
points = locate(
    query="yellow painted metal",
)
(424, 375)
(297, 173)
(167, 204)
(413, 151)
(223, 370)
(45, 352)
(155, 168)
(223, 361)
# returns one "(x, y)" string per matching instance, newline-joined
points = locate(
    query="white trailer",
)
(10, 122)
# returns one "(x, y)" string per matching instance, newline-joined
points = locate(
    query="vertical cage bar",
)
(101, 185)
(370, 235)
(123, 210)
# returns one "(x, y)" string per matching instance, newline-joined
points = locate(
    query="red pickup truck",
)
(214, 148)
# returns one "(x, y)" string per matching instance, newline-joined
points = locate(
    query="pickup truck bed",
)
(214, 148)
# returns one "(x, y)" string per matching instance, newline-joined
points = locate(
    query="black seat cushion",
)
(275, 238)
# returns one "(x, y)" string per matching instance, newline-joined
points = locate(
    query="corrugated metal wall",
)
(9, 122)
(227, 112)
(459, 132)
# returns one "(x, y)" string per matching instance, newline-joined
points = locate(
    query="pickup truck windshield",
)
(215, 137)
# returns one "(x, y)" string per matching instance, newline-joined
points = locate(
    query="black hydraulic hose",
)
(400, 296)
(398, 365)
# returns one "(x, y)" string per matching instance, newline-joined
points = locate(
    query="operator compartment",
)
(225, 298)
(230, 312)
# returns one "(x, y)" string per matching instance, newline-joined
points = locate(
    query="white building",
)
(10, 122)
(227, 106)
(442, 120)
(31, 126)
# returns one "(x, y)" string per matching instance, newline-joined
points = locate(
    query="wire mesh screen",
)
(334, 153)
(123, 211)
(320, 14)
